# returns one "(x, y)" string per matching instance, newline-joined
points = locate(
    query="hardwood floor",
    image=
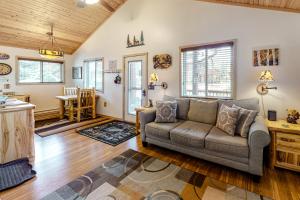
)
(63, 157)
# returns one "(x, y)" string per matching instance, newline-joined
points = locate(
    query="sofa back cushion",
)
(249, 104)
(203, 111)
(183, 105)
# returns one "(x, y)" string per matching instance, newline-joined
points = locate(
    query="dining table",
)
(69, 99)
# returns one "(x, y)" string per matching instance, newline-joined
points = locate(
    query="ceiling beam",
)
(107, 6)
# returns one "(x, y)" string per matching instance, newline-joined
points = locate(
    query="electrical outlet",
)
(105, 104)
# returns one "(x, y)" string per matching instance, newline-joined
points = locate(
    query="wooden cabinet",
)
(285, 148)
(16, 133)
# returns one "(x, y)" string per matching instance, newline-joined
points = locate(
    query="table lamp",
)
(265, 78)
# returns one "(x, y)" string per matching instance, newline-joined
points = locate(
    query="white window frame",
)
(62, 71)
(233, 71)
(85, 71)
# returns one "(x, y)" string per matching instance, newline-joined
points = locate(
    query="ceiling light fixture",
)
(83, 3)
(50, 50)
(90, 2)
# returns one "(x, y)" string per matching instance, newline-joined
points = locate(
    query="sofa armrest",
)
(258, 139)
(146, 117)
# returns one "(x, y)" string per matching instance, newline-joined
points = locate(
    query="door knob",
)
(144, 92)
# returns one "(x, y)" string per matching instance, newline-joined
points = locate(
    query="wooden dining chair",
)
(86, 103)
(70, 91)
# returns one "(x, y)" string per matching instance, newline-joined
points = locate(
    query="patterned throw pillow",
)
(166, 111)
(227, 119)
(245, 119)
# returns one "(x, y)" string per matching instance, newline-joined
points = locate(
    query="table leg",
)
(71, 110)
(61, 109)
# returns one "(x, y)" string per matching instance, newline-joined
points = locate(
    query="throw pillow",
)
(183, 105)
(245, 119)
(227, 119)
(203, 111)
(166, 111)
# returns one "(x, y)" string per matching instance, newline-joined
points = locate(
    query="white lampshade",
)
(91, 1)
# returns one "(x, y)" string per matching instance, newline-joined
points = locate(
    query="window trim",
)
(84, 71)
(205, 45)
(63, 71)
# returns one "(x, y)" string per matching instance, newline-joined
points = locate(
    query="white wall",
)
(169, 24)
(43, 96)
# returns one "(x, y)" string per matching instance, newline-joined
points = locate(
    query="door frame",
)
(124, 77)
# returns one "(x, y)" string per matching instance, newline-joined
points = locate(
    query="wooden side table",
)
(137, 119)
(285, 147)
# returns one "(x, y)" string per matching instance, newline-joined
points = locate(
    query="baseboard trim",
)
(46, 114)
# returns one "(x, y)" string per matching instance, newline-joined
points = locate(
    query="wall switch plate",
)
(105, 104)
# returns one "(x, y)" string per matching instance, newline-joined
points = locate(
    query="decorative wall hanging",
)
(5, 69)
(266, 57)
(113, 65)
(135, 42)
(4, 56)
(162, 61)
(77, 72)
(118, 79)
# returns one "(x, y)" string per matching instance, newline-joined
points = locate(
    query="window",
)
(94, 74)
(134, 86)
(40, 71)
(207, 71)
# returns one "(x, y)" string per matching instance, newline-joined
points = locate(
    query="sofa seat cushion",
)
(160, 130)
(219, 141)
(191, 134)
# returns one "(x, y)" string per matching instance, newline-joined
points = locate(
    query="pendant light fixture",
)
(50, 50)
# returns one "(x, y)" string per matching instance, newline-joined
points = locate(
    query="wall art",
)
(77, 72)
(4, 56)
(135, 42)
(266, 57)
(162, 61)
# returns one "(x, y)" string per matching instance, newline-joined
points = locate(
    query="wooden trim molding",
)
(46, 114)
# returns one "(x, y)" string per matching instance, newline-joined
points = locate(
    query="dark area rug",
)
(112, 133)
(15, 173)
(49, 127)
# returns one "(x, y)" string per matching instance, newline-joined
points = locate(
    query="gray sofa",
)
(205, 141)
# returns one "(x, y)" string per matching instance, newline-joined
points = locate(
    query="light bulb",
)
(91, 1)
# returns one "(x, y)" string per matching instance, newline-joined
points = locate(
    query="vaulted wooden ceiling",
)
(281, 5)
(24, 23)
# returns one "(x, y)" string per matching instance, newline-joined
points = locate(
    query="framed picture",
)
(266, 57)
(77, 72)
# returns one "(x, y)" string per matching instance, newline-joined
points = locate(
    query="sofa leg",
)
(256, 178)
(145, 144)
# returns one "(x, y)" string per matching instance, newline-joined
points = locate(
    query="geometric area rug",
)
(112, 133)
(136, 176)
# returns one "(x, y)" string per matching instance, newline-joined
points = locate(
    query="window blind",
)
(207, 71)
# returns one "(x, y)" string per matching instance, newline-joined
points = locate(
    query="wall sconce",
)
(153, 82)
(265, 77)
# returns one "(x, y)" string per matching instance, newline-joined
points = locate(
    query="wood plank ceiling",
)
(24, 23)
(281, 5)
